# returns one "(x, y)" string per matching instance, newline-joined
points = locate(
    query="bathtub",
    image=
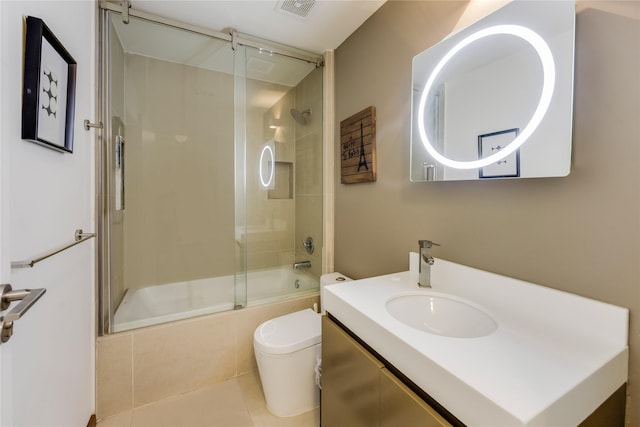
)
(181, 300)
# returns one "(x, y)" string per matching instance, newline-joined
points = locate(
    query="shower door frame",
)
(104, 208)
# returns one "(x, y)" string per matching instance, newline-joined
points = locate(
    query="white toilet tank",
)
(288, 350)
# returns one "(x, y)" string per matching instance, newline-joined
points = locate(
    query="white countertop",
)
(553, 360)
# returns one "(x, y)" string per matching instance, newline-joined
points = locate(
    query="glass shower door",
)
(283, 173)
(171, 174)
(211, 172)
(240, 135)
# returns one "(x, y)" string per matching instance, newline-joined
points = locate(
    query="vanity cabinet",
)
(350, 380)
(358, 390)
(399, 406)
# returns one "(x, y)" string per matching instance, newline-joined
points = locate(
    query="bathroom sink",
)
(441, 315)
(562, 366)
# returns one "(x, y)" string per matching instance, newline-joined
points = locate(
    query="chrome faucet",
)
(425, 262)
(301, 264)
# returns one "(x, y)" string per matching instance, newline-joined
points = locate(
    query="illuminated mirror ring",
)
(268, 182)
(549, 78)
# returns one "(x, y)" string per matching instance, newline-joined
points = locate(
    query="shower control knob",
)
(308, 245)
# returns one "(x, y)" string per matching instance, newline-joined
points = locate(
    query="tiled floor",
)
(238, 402)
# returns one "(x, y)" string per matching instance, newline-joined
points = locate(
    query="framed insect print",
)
(48, 98)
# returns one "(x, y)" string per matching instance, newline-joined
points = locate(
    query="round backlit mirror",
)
(266, 166)
(495, 99)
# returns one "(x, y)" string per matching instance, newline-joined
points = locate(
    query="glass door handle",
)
(119, 175)
(27, 298)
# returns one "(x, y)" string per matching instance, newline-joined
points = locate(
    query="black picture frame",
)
(488, 143)
(49, 89)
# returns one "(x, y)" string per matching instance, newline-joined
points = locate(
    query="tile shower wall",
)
(179, 208)
(308, 170)
(139, 367)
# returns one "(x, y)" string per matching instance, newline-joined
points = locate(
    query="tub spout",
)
(301, 264)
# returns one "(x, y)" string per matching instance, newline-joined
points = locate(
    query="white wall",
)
(47, 375)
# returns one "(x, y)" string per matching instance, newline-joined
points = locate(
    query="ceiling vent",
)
(299, 8)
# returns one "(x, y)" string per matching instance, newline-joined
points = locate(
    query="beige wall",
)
(580, 234)
(135, 368)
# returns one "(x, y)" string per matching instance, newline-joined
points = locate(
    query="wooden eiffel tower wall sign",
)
(358, 147)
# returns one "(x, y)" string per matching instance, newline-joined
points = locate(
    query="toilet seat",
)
(289, 333)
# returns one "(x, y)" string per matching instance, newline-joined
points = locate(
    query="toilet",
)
(287, 350)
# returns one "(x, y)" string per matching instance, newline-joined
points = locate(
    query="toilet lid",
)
(288, 333)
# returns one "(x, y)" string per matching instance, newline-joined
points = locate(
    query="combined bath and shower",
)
(301, 117)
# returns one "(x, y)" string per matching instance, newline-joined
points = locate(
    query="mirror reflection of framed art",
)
(491, 143)
(48, 99)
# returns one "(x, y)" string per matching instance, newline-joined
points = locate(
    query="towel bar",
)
(80, 237)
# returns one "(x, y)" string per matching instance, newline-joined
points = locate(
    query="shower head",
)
(300, 116)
